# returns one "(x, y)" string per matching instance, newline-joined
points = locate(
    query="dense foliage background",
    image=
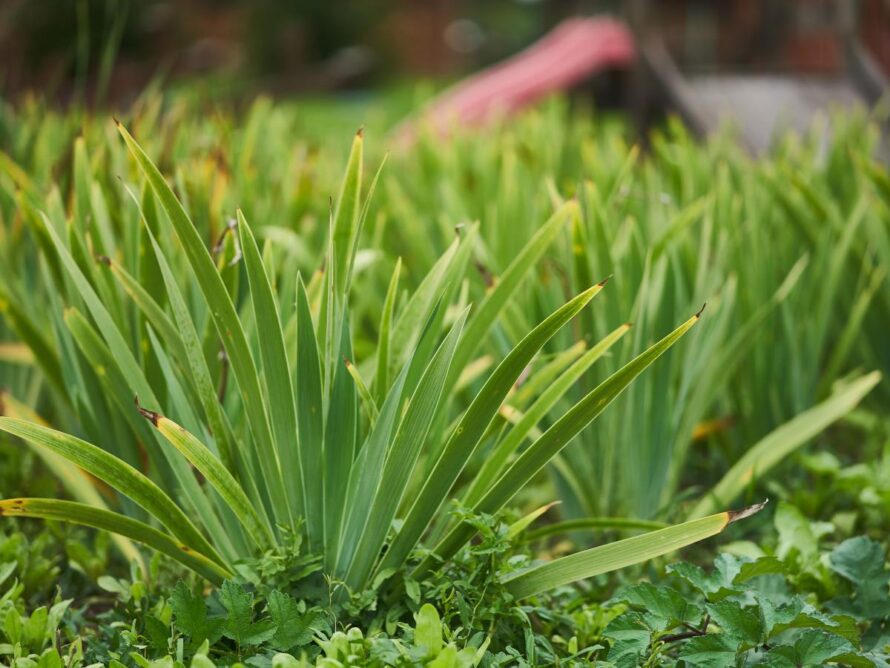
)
(776, 393)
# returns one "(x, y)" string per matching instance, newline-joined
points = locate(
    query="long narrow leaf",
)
(105, 520)
(508, 446)
(227, 324)
(594, 524)
(404, 453)
(536, 456)
(484, 317)
(778, 444)
(620, 554)
(310, 409)
(152, 310)
(117, 474)
(346, 217)
(381, 378)
(195, 360)
(465, 438)
(276, 369)
(217, 475)
(75, 480)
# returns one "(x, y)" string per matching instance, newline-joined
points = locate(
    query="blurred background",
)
(707, 60)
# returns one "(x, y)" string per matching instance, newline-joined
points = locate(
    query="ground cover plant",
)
(785, 603)
(352, 413)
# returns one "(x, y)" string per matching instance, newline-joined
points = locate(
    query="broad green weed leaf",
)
(428, 630)
(715, 650)
(190, 614)
(293, 627)
(239, 624)
(744, 625)
(630, 637)
(662, 601)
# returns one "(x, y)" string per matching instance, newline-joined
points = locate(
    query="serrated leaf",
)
(710, 651)
(775, 615)
(744, 625)
(662, 602)
(762, 566)
(630, 638)
(810, 618)
(811, 648)
(796, 536)
(239, 623)
(293, 628)
(190, 616)
(861, 561)
(715, 585)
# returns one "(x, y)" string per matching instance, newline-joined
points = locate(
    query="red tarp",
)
(570, 53)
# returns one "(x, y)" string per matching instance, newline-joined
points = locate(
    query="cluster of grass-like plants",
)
(289, 438)
(318, 387)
